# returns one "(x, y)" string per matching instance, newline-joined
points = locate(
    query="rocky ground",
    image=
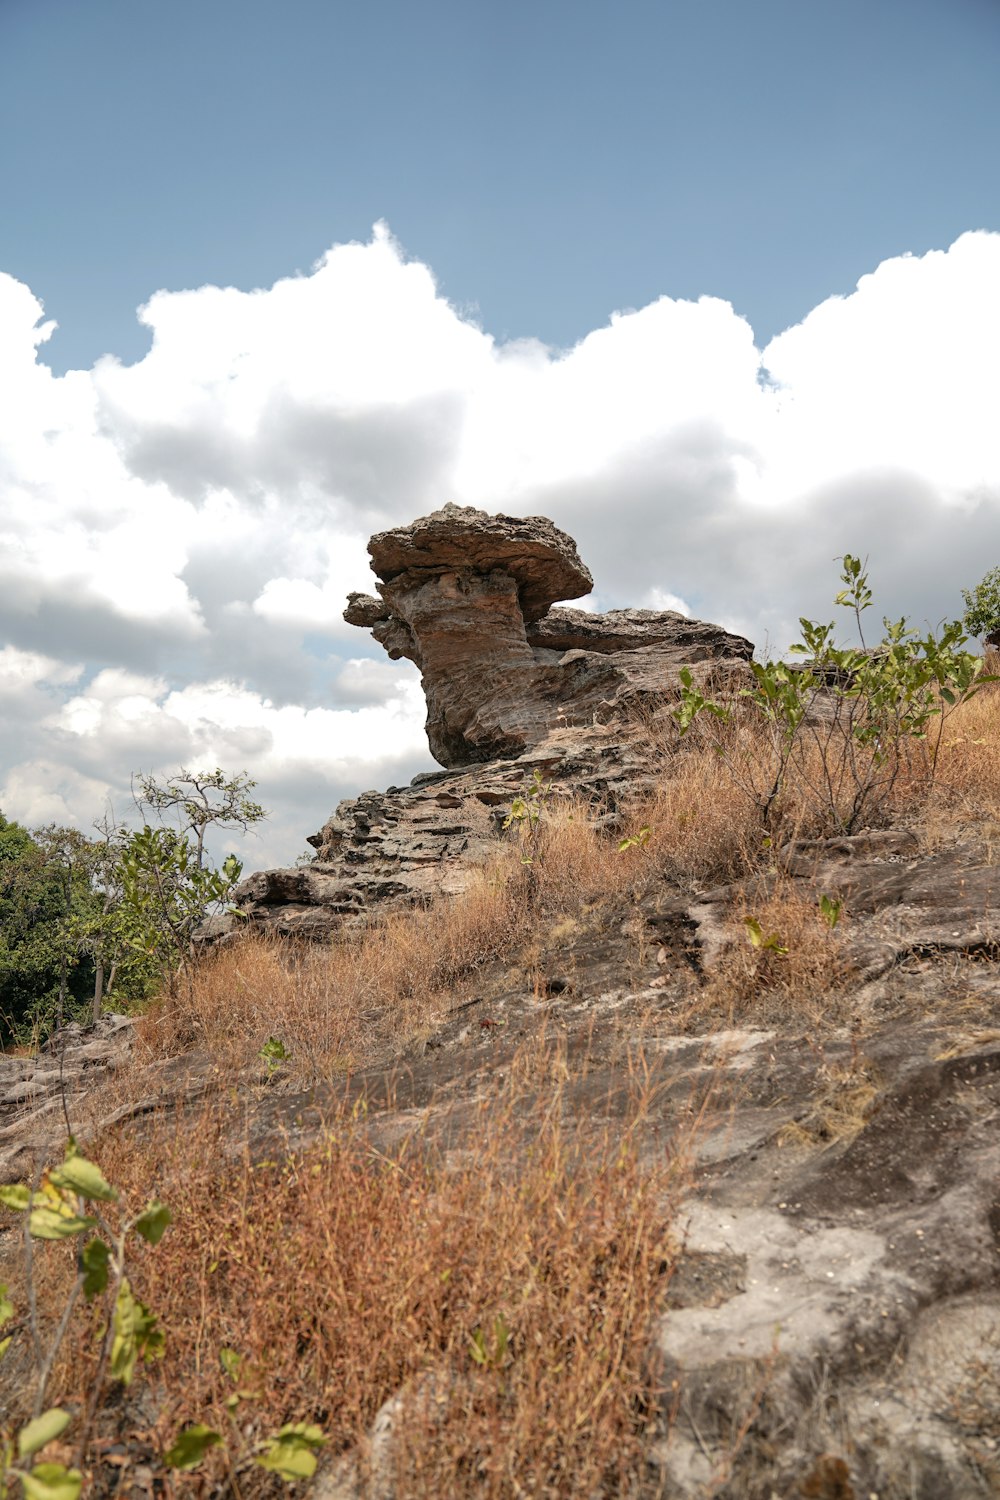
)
(833, 1328)
(837, 1303)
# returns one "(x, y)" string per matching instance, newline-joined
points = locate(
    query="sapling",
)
(74, 1201)
(526, 812)
(844, 722)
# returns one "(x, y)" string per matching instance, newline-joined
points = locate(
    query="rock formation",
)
(833, 1325)
(467, 597)
(509, 681)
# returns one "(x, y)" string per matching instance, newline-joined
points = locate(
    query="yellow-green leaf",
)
(15, 1195)
(41, 1431)
(79, 1175)
(123, 1344)
(290, 1454)
(305, 1432)
(51, 1482)
(191, 1446)
(153, 1222)
(57, 1223)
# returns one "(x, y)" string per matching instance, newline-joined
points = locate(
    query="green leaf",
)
(6, 1305)
(830, 910)
(152, 1222)
(754, 931)
(770, 944)
(191, 1446)
(5, 1344)
(51, 1482)
(231, 1362)
(290, 1453)
(57, 1224)
(79, 1175)
(135, 1333)
(41, 1431)
(95, 1258)
(15, 1195)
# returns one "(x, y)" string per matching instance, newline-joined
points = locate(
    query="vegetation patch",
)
(501, 1291)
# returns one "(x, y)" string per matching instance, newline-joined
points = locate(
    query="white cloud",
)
(177, 536)
(122, 722)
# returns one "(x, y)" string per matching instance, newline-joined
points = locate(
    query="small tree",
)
(982, 609)
(842, 725)
(199, 801)
(168, 887)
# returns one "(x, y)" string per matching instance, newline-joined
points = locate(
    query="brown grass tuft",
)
(798, 968)
(705, 830)
(966, 794)
(504, 1290)
(337, 1004)
(341, 1004)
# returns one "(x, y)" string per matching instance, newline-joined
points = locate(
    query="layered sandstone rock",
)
(467, 596)
(512, 685)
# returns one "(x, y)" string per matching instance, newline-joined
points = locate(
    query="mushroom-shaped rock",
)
(542, 560)
(468, 596)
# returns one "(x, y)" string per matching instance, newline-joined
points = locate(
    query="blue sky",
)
(551, 161)
(716, 286)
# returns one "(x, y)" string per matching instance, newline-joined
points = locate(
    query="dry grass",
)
(343, 1276)
(707, 811)
(704, 828)
(966, 793)
(336, 1005)
(342, 1004)
(797, 968)
(841, 1106)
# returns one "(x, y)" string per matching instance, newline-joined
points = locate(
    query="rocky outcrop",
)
(467, 596)
(832, 1327)
(408, 844)
(512, 685)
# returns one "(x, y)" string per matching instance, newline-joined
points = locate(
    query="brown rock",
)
(630, 630)
(458, 538)
(466, 596)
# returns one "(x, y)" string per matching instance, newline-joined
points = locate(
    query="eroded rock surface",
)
(835, 1320)
(467, 596)
(512, 685)
(404, 846)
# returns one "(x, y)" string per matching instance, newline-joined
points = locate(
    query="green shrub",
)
(843, 723)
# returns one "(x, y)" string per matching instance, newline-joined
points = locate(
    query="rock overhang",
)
(542, 560)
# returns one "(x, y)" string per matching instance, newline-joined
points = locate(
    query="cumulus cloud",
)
(177, 536)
